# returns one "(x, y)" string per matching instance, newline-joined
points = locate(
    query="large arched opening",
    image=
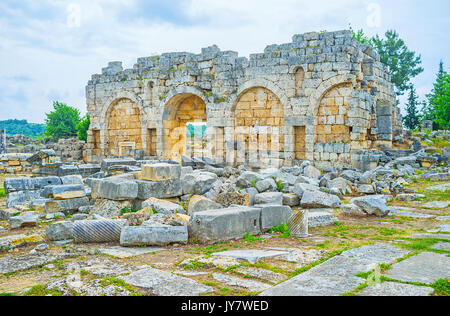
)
(184, 127)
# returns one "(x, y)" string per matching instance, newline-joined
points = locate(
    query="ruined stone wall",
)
(322, 97)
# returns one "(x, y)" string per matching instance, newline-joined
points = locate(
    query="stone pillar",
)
(2, 141)
(298, 224)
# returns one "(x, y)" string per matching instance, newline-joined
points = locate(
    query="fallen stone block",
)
(273, 215)
(74, 180)
(117, 189)
(68, 170)
(225, 224)
(6, 214)
(25, 220)
(159, 190)
(300, 188)
(372, 205)
(275, 198)
(98, 231)
(41, 155)
(199, 203)
(60, 231)
(66, 206)
(64, 192)
(153, 236)
(248, 179)
(233, 198)
(162, 206)
(107, 208)
(28, 184)
(318, 199)
(312, 172)
(89, 170)
(161, 172)
(198, 182)
(21, 197)
(291, 199)
(319, 219)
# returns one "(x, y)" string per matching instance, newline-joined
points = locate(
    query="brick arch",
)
(269, 85)
(259, 125)
(324, 88)
(123, 128)
(332, 115)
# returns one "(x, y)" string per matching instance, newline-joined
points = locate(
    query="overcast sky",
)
(50, 48)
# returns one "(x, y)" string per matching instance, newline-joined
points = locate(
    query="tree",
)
(412, 118)
(403, 64)
(62, 121)
(438, 99)
(83, 127)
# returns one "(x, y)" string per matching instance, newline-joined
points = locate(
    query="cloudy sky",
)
(50, 48)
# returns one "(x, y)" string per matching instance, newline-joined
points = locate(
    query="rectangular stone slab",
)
(161, 172)
(273, 215)
(64, 192)
(225, 224)
(425, 268)
(160, 190)
(117, 189)
(66, 206)
(161, 283)
(153, 235)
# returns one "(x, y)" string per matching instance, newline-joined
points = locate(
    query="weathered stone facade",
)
(2, 141)
(324, 97)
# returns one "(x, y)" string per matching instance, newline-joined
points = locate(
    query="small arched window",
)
(299, 78)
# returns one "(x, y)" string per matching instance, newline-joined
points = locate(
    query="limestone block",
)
(64, 192)
(162, 206)
(225, 224)
(66, 206)
(200, 203)
(161, 172)
(273, 215)
(159, 190)
(162, 235)
(117, 189)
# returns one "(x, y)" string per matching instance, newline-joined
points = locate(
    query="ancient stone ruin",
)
(324, 97)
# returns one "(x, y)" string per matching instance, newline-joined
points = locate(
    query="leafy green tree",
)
(403, 64)
(62, 121)
(439, 99)
(412, 118)
(83, 127)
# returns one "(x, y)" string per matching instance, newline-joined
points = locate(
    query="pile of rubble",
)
(156, 203)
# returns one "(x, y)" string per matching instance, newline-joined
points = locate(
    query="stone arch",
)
(123, 136)
(259, 126)
(263, 83)
(180, 109)
(332, 115)
(324, 87)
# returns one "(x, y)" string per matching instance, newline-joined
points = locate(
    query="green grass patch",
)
(283, 230)
(127, 210)
(442, 287)
(8, 294)
(2, 193)
(40, 290)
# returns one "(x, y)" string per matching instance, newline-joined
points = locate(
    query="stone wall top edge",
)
(166, 61)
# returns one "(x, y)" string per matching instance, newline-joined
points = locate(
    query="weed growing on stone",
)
(283, 230)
